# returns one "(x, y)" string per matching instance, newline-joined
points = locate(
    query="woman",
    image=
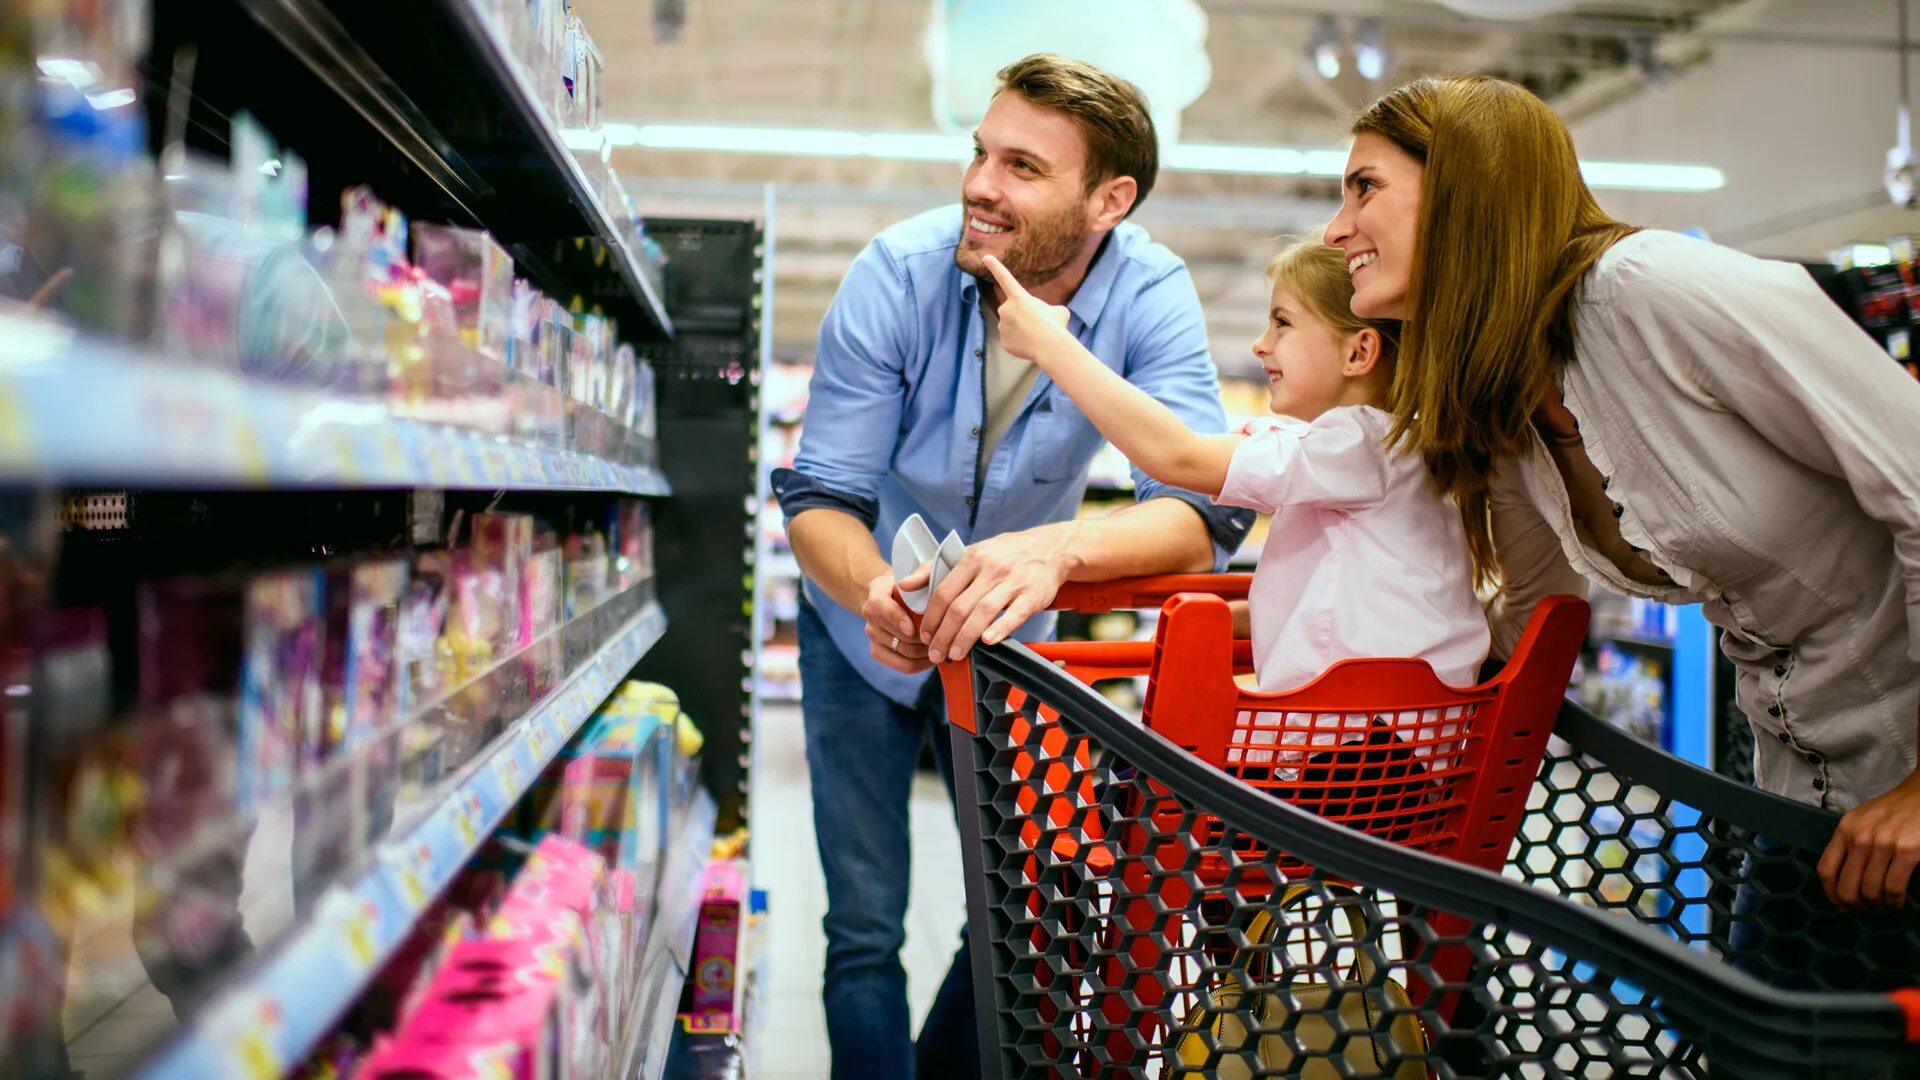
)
(1668, 418)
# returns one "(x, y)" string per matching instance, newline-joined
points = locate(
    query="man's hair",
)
(1110, 112)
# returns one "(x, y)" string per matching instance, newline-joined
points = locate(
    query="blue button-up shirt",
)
(898, 402)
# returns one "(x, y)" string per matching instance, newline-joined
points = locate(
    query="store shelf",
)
(781, 564)
(521, 99)
(271, 1017)
(78, 413)
(437, 80)
(1644, 641)
(667, 959)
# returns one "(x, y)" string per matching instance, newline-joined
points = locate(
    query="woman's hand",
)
(1874, 851)
(1029, 327)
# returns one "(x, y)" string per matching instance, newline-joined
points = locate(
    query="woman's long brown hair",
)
(1507, 229)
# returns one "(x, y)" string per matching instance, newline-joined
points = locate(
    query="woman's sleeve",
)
(1761, 340)
(1533, 564)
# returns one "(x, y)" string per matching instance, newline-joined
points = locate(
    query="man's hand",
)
(1873, 853)
(1027, 325)
(890, 629)
(1001, 583)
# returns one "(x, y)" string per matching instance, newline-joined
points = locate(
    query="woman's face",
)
(1379, 213)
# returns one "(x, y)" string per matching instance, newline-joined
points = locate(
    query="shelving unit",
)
(78, 411)
(457, 125)
(424, 103)
(276, 1012)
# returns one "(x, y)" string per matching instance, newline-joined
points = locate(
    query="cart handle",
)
(1123, 594)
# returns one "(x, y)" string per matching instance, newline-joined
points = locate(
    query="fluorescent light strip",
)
(1185, 157)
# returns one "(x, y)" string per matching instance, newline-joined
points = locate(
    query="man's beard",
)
(1041, 248)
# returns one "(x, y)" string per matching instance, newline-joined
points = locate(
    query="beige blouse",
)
(1761, 456)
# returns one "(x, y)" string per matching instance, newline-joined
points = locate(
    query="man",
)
(914, 408)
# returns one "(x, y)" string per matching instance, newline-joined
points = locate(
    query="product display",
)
(324, 537)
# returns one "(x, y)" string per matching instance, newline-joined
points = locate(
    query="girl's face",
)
(1379, 215)
(1304, 359)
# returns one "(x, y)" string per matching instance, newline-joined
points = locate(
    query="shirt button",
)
(975, 432)
(969, 501)
(1780, 669)
(1784, 738)
(1784, 654)
(1605, 483)
(1819, 784)
(1772, 710)
(977, 352)
(1618, 510)
(1814, 759)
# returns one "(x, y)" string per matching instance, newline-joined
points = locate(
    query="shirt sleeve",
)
(1336, 462)
(1761, 340)
(1533, 564)
(855, 399)
(1171, 360)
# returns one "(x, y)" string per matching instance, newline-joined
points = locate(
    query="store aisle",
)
(794, 1043)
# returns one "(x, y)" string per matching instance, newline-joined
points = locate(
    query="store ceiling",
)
(858, 64)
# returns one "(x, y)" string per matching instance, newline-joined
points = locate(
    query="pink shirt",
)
(1363, 557)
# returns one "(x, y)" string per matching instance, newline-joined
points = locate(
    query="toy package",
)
(280, 680)
(478, 277)
(365, 687)
(503, 544)
(716, 949)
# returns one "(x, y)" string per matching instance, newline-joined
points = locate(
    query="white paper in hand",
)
(913, 546)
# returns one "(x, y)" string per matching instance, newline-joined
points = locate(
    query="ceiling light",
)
(1643, 176)
(1180, 157)
(112, 99)
(80, 74)
(1265, 160)
(1324, 47)
(1369, 50)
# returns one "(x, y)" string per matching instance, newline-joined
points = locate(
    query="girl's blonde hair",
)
(1316, 275)
(1507, 229)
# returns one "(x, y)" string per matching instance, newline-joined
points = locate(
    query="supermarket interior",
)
(486, 487)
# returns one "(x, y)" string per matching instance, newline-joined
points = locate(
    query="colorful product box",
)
(716, 948)
(280, 698)
(410, 1059)
(510, 1012)
(603, 796)
(478, 276)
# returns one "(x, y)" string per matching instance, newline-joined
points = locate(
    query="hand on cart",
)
(890, 628)
(1874, 851)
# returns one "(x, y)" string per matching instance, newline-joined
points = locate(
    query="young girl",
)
(1365, 557)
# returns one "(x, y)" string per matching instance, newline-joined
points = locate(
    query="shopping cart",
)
(1379, 875)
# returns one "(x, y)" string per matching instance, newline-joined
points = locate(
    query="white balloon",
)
(1508, 9)
(1158, 45)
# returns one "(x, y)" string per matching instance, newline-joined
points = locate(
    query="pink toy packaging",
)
(408, 1059)
(494, 997)
(716, 949)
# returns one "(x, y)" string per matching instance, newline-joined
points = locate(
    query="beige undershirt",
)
(1009, 381)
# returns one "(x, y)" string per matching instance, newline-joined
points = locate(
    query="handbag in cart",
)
(1376, 1013)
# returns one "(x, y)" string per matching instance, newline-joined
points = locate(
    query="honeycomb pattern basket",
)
(1653, 919)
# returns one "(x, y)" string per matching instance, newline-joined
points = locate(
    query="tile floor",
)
(794, 1038)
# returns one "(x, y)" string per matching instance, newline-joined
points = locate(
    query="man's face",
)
(1025, 194)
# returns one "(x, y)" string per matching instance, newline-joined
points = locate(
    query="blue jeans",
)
(862, 749)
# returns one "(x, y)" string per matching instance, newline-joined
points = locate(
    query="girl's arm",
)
(1145, 430)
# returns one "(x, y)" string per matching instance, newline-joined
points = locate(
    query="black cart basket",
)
(1136, 911)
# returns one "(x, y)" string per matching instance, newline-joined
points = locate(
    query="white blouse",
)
(1363, 557)
(1764, 454)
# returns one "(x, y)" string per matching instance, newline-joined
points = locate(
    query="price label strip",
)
(507, 772)
(407, 870)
